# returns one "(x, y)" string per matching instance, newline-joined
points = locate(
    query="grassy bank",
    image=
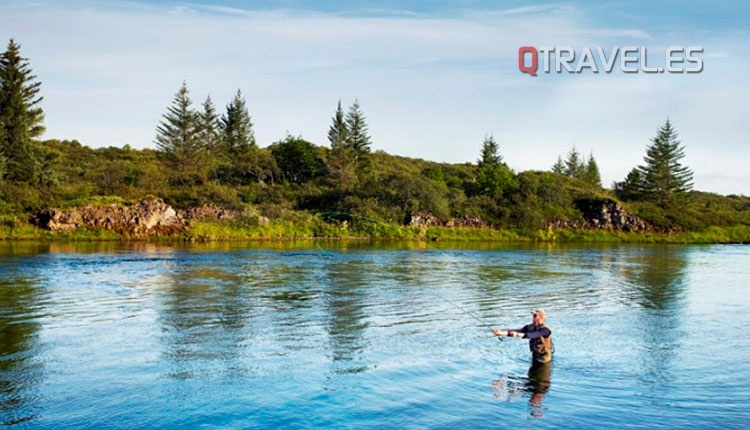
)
(308, 226)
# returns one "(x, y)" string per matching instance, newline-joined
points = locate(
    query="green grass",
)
(298, 225)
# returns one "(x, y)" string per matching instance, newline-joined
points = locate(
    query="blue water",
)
(357, 335)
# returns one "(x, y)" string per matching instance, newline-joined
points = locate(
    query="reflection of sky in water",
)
(397, 337)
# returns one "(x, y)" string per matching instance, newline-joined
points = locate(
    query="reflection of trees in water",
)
(346, 283)
(657, 283)
(21, 371)
(203, 323)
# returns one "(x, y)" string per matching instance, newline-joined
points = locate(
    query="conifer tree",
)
(664, 177)
(591, 172)
(237, 128)
(574, 167)
(21, 117)
(358, 139)
(209, 128)
(177, 135)
(632, 187)
(559, 166)
(340, 164)
(490, 154)
(494, 175)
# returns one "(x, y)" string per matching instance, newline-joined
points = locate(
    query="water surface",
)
(358, 335)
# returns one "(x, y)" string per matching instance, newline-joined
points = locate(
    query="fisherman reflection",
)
(540, 375)
(536, 384)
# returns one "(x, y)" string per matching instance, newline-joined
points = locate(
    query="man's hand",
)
(499, 333)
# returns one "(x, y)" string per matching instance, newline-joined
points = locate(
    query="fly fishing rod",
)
(467, 312)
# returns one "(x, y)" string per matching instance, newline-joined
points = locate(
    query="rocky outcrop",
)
(149, 217)
(216, 213)
(603, 214)
(426, 219)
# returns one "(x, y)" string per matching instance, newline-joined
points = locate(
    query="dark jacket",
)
(540, 341)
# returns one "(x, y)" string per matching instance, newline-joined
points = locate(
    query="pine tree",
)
(494, 175)
(663, 175)
(21, 117)
(490, 155)
(358, 139)
(237, 128)
(591, 172)
(209, 128)
(574, 167)
(559, 166)
(632, 187)
(177, 135)
(340, 164)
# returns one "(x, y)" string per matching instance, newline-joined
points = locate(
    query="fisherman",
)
(538, 334)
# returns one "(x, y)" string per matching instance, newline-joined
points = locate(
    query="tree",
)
(664, 177)
(209, 131)
(559, 166)
(358, 140)
(632, 187)
(296, 159)
(490, 154)
(591, 172)
(21, 117)
(574, 167)
(237, 128)
(494, 175)
(340, 163)
(178, 134)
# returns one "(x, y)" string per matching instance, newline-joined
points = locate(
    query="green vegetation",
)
(296, 189)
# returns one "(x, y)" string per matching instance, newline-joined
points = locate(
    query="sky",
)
(432, 78)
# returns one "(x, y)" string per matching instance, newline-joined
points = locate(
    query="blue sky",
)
(433, 78)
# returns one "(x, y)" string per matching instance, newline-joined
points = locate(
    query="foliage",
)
(296, 160)
(21, 117)
(344, 190)
(178, 136)
(663, 179)
(575, 167)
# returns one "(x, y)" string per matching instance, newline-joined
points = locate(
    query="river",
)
(361, 335)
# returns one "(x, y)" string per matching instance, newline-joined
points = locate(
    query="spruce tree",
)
(494, 175)
(209, 128)
(559, 166)
(21, 117)
(632, 187)
(177, 135)
(591, 172)
(490, 154)
(358, 139)
(664, 177)
(237, 128)
(340, 164)
(574, 167)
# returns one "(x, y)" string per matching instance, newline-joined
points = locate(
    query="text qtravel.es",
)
(628, 59)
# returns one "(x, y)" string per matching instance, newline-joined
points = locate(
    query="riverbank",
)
(312, 228)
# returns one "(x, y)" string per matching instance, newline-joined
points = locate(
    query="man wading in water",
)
(538, 334)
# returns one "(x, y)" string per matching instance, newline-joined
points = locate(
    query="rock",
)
(605, 214)
(216, 213)
(148, 217)
(426, 219)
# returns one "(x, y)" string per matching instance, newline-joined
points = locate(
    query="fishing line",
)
(465, 311)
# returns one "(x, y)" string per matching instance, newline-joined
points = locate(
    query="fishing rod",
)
(432, 293)
(467, 312)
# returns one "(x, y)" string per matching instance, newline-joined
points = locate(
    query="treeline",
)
(204, 157)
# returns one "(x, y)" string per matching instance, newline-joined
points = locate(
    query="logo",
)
(629, 59)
